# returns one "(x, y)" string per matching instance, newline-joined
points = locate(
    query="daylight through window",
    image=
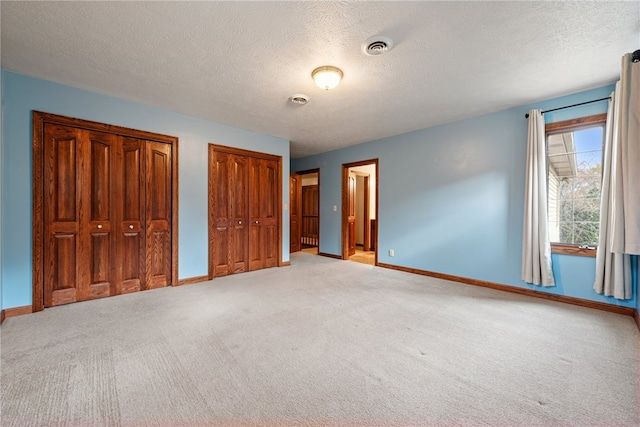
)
(574, 182)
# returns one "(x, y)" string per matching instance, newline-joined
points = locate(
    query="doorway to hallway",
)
(305, 211)
(360, 211)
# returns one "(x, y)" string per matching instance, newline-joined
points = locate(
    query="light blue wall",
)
(22, 94)
(451, 198)
(1, 179)
(636, 276)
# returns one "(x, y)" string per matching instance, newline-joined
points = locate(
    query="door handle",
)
(130, 226)
(99, 226)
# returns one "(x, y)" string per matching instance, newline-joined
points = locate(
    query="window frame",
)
(563, 127)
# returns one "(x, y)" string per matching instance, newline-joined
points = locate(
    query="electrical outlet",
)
(392, 252)
(335, 208)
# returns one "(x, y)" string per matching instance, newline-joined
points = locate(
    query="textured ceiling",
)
(238, 62)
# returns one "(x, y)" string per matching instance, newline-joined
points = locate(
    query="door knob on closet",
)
(99, 226)
(239, 222)
(130, 226)
(257, 222)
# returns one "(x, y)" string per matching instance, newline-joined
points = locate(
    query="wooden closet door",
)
(63, 181)
(158, 214)
(239, 196)
(98, 223)
(244, 219)
(103, 210)
(263, 201)
(220, 213)
(131, 233)
(256, 201)
(229, 213)
(269, 214)
(78, 215)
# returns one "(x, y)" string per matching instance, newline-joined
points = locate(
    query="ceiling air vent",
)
(377, 45)
(299, 99)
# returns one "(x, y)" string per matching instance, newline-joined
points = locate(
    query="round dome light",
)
(327, 77)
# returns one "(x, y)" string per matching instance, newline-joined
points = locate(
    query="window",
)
(574, 150)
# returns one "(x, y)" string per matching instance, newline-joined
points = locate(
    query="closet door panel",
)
(256, 197)
(100, 281)
(240, 210)
(131, 231)
(270, 176)
(62, 180)
(98, 219)
(158, 214)
(220, 211)
(62, 278)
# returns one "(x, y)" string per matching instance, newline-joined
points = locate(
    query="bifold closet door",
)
(103, 210)
(131, 234)
(158, 199)
(79, 214)
(263, 204)
(107, 214)
(240, 211)
(220, 214)
(144, 204)
(244, 212)
(229, 210)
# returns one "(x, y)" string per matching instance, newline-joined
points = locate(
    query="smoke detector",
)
(377, 45)
(299, 99)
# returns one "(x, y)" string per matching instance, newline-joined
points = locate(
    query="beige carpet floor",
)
(320, 343)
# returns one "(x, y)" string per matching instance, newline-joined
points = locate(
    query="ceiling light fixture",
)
(327, 77)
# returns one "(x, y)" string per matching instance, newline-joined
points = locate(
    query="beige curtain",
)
(536, 248)
(620, 203)
(629, 135)
(613, 267)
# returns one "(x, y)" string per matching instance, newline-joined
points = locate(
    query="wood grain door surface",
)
(351, 217)
(158, 214)
(229, 213)
(107, 214)
(263, 214)
(244, 212)
(229, 210)
(220, 214)
(131, 233)
(295, 212)
(257, 199)
(78, 215)
(269, 215)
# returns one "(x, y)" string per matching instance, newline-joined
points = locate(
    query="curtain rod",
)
(526, 116)
(635, 57)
